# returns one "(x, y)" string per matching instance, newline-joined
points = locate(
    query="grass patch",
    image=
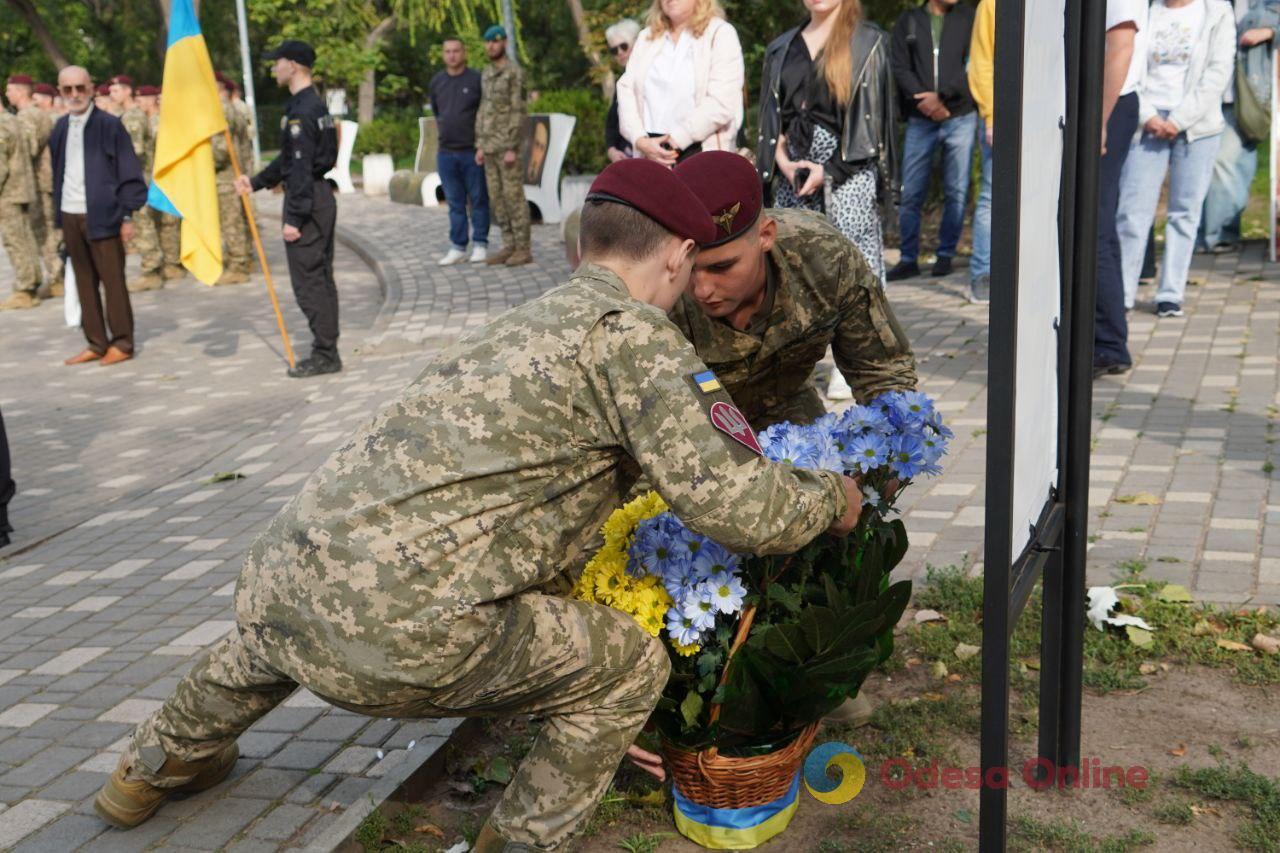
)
(1178, 814)
(1257, 794)
(1029, 833)
(867, 831)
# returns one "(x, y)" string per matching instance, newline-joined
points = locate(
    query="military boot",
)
(126, 800)
(232, 277)
(520, 257)
(174, 271)
(852, 712)
(21, 299)
(489, 841)
(500, 257)
(146, 281)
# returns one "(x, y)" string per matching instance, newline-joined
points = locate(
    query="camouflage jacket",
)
(37, 125)
(138, 125)
(244, 144)
(149, 164)
(222, 164)
(17, 183)
(824, 295)
(502, 108)
(487, 478)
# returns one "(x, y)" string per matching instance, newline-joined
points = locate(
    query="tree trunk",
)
(369, 82)
(584, 41)
(29, 13)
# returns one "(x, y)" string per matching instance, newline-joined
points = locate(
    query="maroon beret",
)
(148, 90)
(728, 186)
(46, 89)
(103, 89)
(123, 79)
(21, 79)
(655, 191)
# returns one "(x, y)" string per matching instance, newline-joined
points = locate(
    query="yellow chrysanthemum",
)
(686, 651)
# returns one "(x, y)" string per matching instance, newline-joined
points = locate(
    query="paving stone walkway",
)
(129, 541)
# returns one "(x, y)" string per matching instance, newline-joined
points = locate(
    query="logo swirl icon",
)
(850, 773)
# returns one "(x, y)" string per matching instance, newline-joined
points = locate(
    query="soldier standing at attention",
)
(410, 577)
(308, 149)
(236, 261)
(145, 240)
(45, 97)
(17, 195)
(499, 124)
(37, 124)
(102, 100)
(245, 149)
(168, 227)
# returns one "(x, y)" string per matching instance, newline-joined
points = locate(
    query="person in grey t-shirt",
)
(455, 97)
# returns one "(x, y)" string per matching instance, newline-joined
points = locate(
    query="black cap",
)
(296, 51)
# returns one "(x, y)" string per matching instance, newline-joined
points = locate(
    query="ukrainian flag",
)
(183, 182)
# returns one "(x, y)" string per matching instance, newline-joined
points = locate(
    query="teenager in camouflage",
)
(412, 575)
(773, 291)
(17, 195)
(37, 124)
(499, 124)
(146, 241)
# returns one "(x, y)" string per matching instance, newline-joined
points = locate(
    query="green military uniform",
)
(37, 125)
(820, 293)
(146, 241)
(235, 226)
(17, 196)
(410, 576)
(499, 123)
(244, 143)
(168, 226)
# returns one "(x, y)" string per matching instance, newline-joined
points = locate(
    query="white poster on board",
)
(1044, 108)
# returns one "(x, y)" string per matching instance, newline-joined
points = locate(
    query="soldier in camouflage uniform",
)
(168, 227)
(410, 577)
(146, 242)
(499, 124)
(236, 260)
(37, 125)
(17, 196)
(811, 289)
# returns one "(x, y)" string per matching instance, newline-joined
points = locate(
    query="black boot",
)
(904, 270)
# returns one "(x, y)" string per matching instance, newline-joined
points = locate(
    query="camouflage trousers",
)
(235, 231)
(20, 243)
(591, 671)
(506, 200)
(169, 229)
(146, 242)
(48, 237)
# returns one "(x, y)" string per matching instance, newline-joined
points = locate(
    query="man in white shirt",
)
(1121, 76)
(97, 186)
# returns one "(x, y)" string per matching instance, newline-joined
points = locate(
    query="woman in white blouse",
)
(682, 92)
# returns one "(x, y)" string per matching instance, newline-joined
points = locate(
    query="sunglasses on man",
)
(619, 48)
(78, 89)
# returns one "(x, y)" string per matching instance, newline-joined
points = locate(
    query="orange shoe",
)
(84, 357)
(115, 356)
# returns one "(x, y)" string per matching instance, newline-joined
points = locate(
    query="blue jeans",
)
(1233, 172)
(1188, 165)
(955, 135)
(463, 181)
(980, 263)
(1110, 326)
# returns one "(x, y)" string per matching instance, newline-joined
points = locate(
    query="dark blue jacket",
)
(113, 182)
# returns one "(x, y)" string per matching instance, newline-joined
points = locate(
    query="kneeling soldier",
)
(411, 576)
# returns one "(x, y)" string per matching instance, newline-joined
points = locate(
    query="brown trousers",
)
(99, 262)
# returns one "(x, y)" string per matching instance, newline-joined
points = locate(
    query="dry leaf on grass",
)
(1265, 644)
(1233, 646)
(1173, 592)
(1148, 668)
(430, 829)
(923, 616)
(1139, 499)
(1179, 750)
(964, 651)
(1138, 636)
(939, 669)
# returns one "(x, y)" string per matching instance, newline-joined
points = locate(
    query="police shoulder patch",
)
(726, 418)
(295, 127)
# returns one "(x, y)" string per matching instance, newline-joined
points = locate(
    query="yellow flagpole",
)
(262, 255)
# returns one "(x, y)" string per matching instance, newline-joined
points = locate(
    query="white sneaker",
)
(478, 254)
(453, 256)
(838, 389)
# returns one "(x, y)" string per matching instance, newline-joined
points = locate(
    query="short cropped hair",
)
(609, 229)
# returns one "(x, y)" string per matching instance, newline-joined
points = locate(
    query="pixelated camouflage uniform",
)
(17, 195)
(244, 144)
(146, 241)
(499, 124)
(168, 226)
(409, 576)
(235, 226)
(823, 294)
(38, 124)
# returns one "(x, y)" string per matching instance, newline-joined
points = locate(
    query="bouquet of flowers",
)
(803, 630)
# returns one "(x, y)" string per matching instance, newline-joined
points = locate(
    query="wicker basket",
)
(724, 782)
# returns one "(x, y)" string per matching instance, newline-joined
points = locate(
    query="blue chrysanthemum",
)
(867, 452)
(906, 456)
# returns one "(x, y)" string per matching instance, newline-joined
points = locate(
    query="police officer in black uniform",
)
(308, 149)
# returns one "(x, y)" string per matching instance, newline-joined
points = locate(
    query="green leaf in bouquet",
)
(896, 547)
(844, 666)
(690, 708)
(787, 642)
(835, 598)
(786, 595)
(709, 663)
(752, 697)
(820, 627)
(707, 683)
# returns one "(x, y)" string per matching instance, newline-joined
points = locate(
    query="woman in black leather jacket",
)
(828, 122)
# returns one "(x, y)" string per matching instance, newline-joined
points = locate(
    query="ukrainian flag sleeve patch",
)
(706, 382)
